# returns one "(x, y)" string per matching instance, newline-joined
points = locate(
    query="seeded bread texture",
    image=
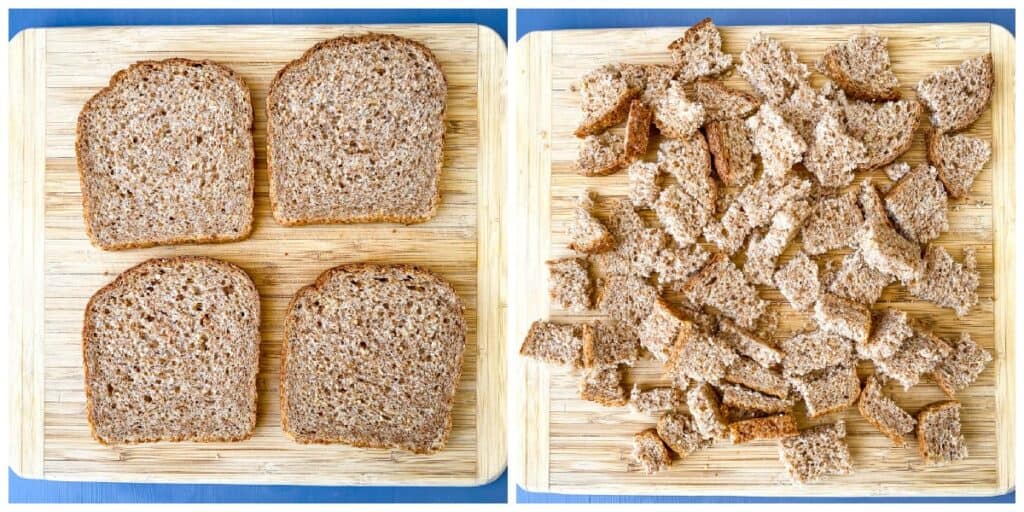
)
(680, 434)
(958, 95)
(946, 282)
(165, 156)
(958, 159)
(772, 69)
(939, 436)
(600, 155)
(843, 317)
(554, 343)
(587, 234)
(750, 374)
(883, 413)
(811, 351)
(660, 328)
(828, 391)
(798, 282)
(638, 130)
(569, 284)
(171, 352)
(643, 184)
(776, 426)
(721, 102)
(655, 401)
(675, 115)
(834, 154)
(603, 384)
(605, 96)
(689, 162)
(962, 367)
(855, 280)
(861, 67)
(702, 401)
(816, 453)
(355, 132)
(739, 397)
(650, 452)
(372, 357)
(730, 142)
(749, 344)
(889, 330)
(917, 204)
(778, 143)
(918, 355)
(885, 129)
(698, 53)
(613, 343)
(698, 355)
(628, 299)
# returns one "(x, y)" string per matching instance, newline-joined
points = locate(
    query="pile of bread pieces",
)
(372, 353)
(734, 170)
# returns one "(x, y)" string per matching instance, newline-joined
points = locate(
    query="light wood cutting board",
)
(54, 269)
(568, 445)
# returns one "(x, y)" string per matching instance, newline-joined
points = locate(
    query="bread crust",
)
(79, 128)
(353, 219)
(853, 88)
(227, 266)
(638, 130)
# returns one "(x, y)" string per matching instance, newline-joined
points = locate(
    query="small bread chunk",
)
(946, 282)
(587, 234)
(962, 367)
(627, 299)
(828, 391)
(675, 115)
(722, 286)
(919, 354)
(698, 53)
(731, 144)
(650, 452)
(721, 102)
(778, 143)
(165, 156)
(881, 246)
(884, 414)
(896, 170)
(660, 329)
(603, 384)
(655, 401)
(637, 246)
(638, 131)
(707, 411)
(889, 330)
(806, 107)
(958, 95)
(834, 154)
(748, 373)
(776, 426)
(743, 398)
(748, 344)
(957, 158)
(613, 343)
(798, 282)
(554, 343)
(753, 207)
(729, 232)
(569, 284)
(698, 355)
(843, 317)
(171, 350)
(816, 453)
(763, 251)
(855, 280)
(652, 80)
(939, 437)
(733, 414)
(861, 67)
(886, 129)
(682, 215)
(811, 351)
(675, 265)
(679, 432)
(605, 95)
(372, 356)
(689, 162)
(917, 203)
(773, 70)
(643, 183)
(600, 155)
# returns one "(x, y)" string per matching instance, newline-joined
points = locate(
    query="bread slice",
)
(855, 280)
(843, 317)
(958, 95)
(811, 351)
(675, 265)
(883, 413)
(861, 67)
(643, 183)
(680, 434)
(750, 374)
(652, 80)
(613, 343)
(896, 170)
(806, 106)
(587, 234)
(776, 426)
(946, 282)
(881, 246)
(698, 52)
(917, 203)
(730, 142)
(569, 284)
(675, 115)
(655, 401)
(740, 397)
(638, 246)
(828, 391)
(554, 343)
(918, 355)
(650, 452)
(886, 129)
(605, 96)
(600, 155)
(638, 130)
(171, 350)
(702, 401)
(939, 436)
(773, 70)
(729, 232)
(165, 156)
(798, 282)
(401, 332)
(763, 251)
(682, 215)
(834, 154)
(958, 159)
(721, 102)
(628, 299)
(661, 327)
(689, 162)
(816, 453)
(748, 344)
(889, 330)
(962, 367)
(603, 385)
(340, 147)
(722, 286)
(778, 143)
(698, 355)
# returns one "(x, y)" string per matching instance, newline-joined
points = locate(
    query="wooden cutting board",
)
(54, 269)
(568, 445)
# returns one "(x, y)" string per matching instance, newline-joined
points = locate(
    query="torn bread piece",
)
(675, 265)
(798, 281)
(816, 350)
(855, 280)
(722, 286)
(886, 129)
(612, 343)
(939, 436)
(654, 401)
(675, 115)
(962, 367)
(828, 391)
(881, 246)
(843, 317)
(682, 215)
(946, 282)
(628, 299)
(660, 328)
(750, 374)
(917, 204)
(776, 426)
(747, 399)
(773, 70)
(689, 162)
(731, 144)
(706, 410)
(554, 343)
(603, 385)
(889, 329)
(754, 207)
(569, 284)
(643, 183)
(763, 251)
(698, 355)
(600, 155)
(883, 413)
(748, 344)
(721, 102)
(834, 154)
(698, 53)
(638, 131)
(816, 453)
(778, 143)
(650, 452)
(958, 95)
(637, 246)
(918, 355)
(957, 158)
(680, 434)
(652, 80)
(861, 67)
(896, 170)
(605, 95)
(587, 234)
(806, 106)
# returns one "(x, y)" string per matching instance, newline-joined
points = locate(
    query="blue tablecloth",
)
(33, 491)
(530, 20)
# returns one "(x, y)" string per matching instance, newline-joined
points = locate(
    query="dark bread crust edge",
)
(354, 219)
(725, 90)
(896, 438)
(289, 326)
(638, 131)
(855, 89)
(114, 80)
(224, 265)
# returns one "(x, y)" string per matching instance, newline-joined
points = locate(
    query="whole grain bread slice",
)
(698, 355)
(603, 385)
(883, 413)
(917, 204)
(886, 129)
(749, 344)
(689, 162)
(798, 282)
(861, 67)
(654, 401)
(613, 343)
(763, 251)
(650, 452)
(881, 246)
(587, 234)
(698, 53)
(940, 439)
(600, 155)
(843, 317)
(778, 143)
(171, 352)
(962, 367)
(643, 183)
(675, 115)
(776, 426)
(773, 70)
(958, 95)
(680, 433)
(917, 356)
(740, 397)
(889, 329)
(722, 286)
(834, 154)
(730, 142)
(638, 247)
(660, 328)
(638, 131)
(855, 280)
(682, 215)
(749, 373)
(946, 282)
(605, 96)
(828, 391)
(816, 453)
(807, 352)
(556, 343)
(626, 298)
(958, 159)
(835, 222)
(569, 284)
(721, 102)
(702, 401)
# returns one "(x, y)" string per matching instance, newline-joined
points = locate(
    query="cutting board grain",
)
(54, 269)
(568, 445)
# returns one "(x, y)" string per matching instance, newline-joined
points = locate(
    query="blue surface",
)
(530, 20)
(36, 491)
